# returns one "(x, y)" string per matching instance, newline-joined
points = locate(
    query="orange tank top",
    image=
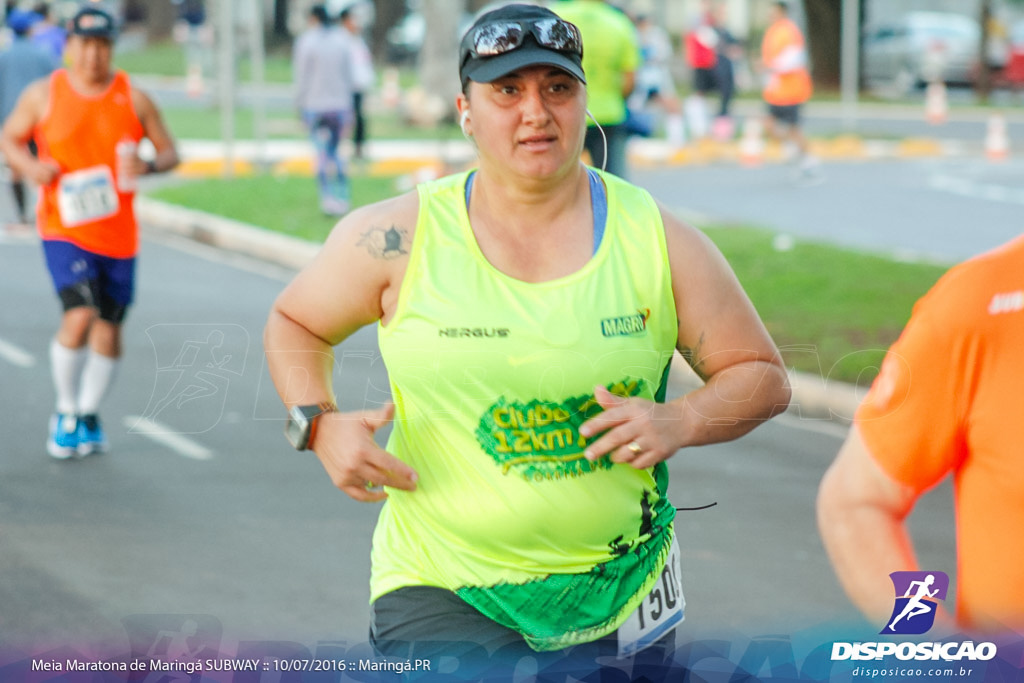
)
(80, 133)
(791, 86)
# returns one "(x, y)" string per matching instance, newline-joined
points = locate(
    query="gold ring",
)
(634, 447)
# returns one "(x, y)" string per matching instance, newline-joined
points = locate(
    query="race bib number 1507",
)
(659, 613)
(86, 196)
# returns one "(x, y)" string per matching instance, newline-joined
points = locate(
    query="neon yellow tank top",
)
(491, 378)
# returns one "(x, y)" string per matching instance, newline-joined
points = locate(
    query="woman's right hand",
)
(355, 463)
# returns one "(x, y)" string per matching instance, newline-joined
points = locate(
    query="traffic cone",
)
(695, 109)
(675, 131)
(194, 81)
(751, 143)
(997, 142)
(390, 90)
(935, 103)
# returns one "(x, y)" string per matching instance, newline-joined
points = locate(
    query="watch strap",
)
(325, 407)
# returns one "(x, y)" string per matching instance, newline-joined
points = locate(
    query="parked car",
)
(405, 38)
(922, 47)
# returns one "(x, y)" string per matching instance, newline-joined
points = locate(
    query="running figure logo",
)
(917, 596)
(195, 367)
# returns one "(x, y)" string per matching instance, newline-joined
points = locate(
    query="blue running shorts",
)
(83, 278)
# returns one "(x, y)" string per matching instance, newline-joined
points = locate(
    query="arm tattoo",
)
(693, 358)
(386, 243)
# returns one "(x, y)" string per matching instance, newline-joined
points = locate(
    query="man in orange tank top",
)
(87, 121)
(787, 82)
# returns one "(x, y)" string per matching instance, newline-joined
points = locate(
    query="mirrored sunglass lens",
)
(496, 39)
(558, 35)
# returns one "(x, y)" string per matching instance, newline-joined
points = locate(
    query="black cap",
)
(93, 22)
(530, 53)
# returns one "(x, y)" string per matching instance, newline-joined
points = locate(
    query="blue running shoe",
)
(91, 438)
(63, 441)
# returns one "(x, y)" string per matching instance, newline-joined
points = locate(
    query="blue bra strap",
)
(598, 203)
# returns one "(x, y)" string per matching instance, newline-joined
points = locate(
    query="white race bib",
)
(662, 609)
(86, 196)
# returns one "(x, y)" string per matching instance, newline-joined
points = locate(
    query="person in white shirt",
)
(323, 74)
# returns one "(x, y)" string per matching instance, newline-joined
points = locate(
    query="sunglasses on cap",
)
(498, 37)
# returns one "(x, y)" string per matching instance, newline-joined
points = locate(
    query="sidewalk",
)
(202, 158)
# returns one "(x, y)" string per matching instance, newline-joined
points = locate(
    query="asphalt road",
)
(207, 515)
(940, 209)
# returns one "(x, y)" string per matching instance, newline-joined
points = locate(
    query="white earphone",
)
(462, 123)
(604, 139)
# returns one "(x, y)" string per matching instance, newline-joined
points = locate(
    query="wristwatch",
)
(300, 427)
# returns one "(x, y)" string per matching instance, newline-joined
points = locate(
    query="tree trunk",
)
(824, 37)
(984, 84)
(438, 60)
(160, 18)
(386, 14)
(280, 24)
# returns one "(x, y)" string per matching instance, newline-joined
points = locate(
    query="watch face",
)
(296, 428)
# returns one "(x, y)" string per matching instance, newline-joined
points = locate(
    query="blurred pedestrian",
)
(701, 49)
(49, 33)
(87, 121)
(655, 86)
(525, 477)
(323, 70)
(21, 63)
(787, 84)
(611, 57)
(363, 75)
(192, 18)
(727, 51)
(946, 403)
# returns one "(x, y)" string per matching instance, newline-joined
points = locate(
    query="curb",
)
(814, 397)
(225, 233)
(206, 158)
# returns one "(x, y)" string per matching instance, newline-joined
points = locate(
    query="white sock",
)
(696, 111)
(66, 365)
(675, 130)
(96, 379)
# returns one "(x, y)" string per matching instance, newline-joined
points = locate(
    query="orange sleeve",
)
(912, 418)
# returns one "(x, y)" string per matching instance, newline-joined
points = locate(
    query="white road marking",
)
(179, 443)
(16, 355)
(973, 189)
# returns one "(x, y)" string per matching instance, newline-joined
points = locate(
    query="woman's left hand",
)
(636, 431)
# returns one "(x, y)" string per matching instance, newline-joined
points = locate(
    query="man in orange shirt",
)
(788, 82)
(948, 401)
(87, 121)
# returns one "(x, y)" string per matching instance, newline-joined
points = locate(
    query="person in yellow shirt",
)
(611, 59)
(527, 312)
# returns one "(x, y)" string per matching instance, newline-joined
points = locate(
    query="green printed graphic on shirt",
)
(541, 439)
